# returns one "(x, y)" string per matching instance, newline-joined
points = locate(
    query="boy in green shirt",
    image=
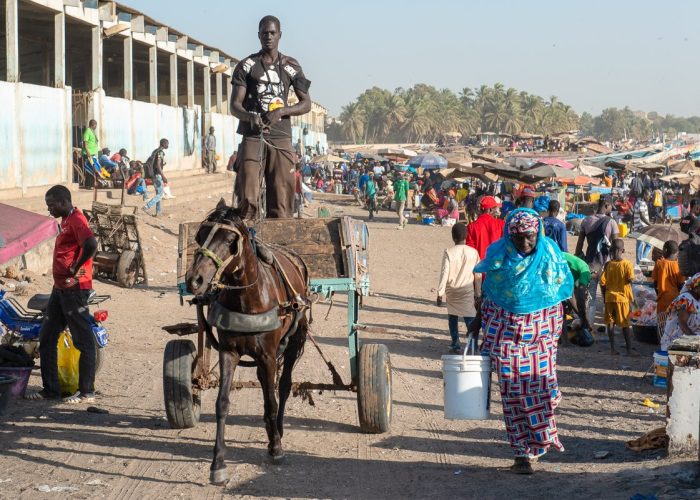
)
(370, 188)
(582, 277)
(400, 197)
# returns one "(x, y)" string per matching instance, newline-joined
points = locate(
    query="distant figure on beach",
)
(261, 84)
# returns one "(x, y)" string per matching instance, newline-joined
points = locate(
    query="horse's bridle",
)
(219, 264)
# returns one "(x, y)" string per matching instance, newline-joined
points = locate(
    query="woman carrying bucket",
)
(522, 318)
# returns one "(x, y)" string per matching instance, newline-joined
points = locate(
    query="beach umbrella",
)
(657, 234)
(428, 161)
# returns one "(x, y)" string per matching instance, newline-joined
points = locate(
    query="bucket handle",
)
(471, 343)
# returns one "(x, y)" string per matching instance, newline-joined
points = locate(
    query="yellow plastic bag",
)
(68, 358)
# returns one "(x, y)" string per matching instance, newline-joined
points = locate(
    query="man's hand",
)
(76, 272)
(439, 301)
(272, 117)
(255, 121)
(477, 302)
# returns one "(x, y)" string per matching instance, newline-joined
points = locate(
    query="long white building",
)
(63, 62)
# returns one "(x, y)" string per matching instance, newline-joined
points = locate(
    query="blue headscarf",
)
(524, 284)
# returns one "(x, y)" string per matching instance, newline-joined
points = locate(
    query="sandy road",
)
(131, 453)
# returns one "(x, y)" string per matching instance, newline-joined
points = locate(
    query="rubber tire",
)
(182, 403)
(126, 277)
(374, 389)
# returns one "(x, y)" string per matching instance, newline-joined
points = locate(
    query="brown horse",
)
(257, 303)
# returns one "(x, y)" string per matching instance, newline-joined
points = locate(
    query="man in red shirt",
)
(72, 274)
(487, 228)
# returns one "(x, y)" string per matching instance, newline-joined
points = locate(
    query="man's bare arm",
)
(237, 110)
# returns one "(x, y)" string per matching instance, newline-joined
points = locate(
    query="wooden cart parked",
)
(119, 251)
(335, 251)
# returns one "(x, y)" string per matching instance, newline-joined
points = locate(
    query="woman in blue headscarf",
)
(521, 315)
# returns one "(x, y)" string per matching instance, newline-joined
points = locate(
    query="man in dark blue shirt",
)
(554, 228)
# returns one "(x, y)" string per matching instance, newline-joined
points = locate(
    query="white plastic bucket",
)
(660, 368)
(467, 386)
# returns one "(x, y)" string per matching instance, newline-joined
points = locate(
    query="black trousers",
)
(67, 308)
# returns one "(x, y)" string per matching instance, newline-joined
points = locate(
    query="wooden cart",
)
(336, 252)
(119, 251)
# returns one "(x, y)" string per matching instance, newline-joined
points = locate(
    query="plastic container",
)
(428, 220)
(467, 386)
(594, 197)
(623, 228)
(6, 384)
(660, 369)
(21, 376)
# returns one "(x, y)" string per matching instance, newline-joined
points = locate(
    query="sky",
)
(590, 54)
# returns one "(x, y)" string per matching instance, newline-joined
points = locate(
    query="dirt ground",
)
(50, 450)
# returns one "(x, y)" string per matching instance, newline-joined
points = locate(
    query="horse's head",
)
(221, 239)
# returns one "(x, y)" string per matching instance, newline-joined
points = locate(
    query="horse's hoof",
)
(219, 477)
(278, 458)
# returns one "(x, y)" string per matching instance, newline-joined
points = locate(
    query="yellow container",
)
(623, 228)
(594, 196)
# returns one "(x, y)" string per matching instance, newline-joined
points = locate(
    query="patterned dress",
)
(523, 351)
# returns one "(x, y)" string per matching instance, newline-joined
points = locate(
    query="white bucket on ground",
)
(467, 386)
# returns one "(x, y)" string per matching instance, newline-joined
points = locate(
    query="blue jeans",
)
(453, 324)
(643, 250)
(158, 184)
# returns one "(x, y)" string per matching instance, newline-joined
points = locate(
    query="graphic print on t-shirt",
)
(270, 90)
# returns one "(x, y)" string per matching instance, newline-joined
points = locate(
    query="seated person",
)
(123, 162)
(683, 313)
(136, 184)
(449, 209)
(106, 163)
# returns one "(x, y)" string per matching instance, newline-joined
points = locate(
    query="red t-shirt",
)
(69, 242)
(483, 231)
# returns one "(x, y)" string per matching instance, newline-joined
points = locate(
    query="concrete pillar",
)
(190, 84)
(227, 95)
(59, 75)
(219, 94)
(11, 41)
(97, 57)
(128, 68)
(153, 74)
(173, 80)
(206, 74)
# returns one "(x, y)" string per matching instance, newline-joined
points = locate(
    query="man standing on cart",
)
(261, 84)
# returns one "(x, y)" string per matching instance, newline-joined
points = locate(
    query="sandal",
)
(522, 466)
(78, 398)
(38, 396)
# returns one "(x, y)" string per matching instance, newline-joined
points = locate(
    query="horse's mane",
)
(223, 213)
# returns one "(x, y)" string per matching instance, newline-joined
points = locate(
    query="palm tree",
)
(353, 120)
(532, 110)
(394, 117)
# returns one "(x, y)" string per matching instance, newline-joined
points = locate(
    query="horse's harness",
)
(226, 319)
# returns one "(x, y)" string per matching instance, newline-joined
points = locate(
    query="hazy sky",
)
(591, 54)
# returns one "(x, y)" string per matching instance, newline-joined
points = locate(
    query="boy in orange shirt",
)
(616, 285)
(667, 277)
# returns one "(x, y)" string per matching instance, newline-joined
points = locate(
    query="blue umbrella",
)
(428, 161)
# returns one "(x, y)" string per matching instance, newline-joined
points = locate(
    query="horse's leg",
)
(294, 350)
(227, 365)
(267, 368)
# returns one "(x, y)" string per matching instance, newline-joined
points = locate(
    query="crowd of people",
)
(511, 279)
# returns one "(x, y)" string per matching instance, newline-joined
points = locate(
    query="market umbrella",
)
(557, 162)
(579, 180)
(373, 157)
(331, 158)
(428, 161)
(402, 152)
(549, 172)
(588, 170)
(685, 166)
(657, 234)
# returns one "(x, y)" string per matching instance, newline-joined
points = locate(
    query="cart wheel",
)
(374, 388)
(99, 359)
(127, 269)
(182, 402)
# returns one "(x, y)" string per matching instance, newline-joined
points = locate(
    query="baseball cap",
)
(488, 202)
(528, 191)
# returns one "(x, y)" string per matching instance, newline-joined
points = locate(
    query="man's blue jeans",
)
(643, 250)
(453, 324)
(158, 184)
